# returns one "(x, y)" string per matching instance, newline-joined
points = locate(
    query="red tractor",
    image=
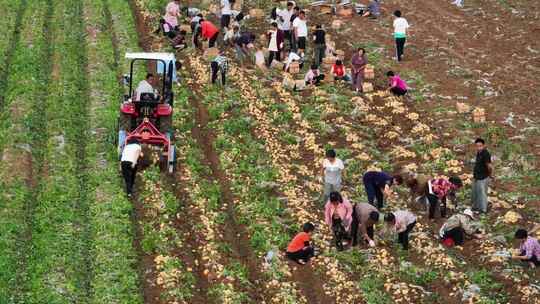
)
(146, 111)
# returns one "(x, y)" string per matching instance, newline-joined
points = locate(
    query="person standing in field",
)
(275, 43)
(403, 222)
(130, 156)
(377, 185)
(332, 169)
(482, 173)
(358, 62)
(300, 32)
(300, 248)
(400, 34)
(284, 17)
(294, 42)
(319, 42)
(226, 13)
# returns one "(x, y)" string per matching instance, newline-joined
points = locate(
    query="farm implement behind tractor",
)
(147, 117)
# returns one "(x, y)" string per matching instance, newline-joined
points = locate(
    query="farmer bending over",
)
(396, 85)
(529, 247)
(300, 249)
(437, 192)
(377, 185)
(365, 216)
(402, 221)
(458, 226)
(219, 63)
(338, 216)
(130, 155)
(313, 76)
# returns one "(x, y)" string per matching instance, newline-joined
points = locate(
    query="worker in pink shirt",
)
(172, 11)
(397, 86)
(338, 216)
(403, 222)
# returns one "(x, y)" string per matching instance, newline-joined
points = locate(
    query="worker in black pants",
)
(130, 155)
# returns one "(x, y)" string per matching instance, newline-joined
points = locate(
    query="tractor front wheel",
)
(165, 124)
(124, 122)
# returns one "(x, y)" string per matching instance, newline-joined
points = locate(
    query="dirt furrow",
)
(109, 24)
(5, 69)
(234, 234)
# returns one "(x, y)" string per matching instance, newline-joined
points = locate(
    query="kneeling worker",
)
(130, 155)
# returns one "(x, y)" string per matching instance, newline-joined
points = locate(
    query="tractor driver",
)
(146, 86)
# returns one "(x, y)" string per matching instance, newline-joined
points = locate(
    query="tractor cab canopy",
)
(161, 65)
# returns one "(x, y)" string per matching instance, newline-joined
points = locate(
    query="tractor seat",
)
(149, 97)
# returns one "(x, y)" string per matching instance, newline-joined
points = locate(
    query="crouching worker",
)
(397, 86)
(130, 155)
(338, 70)
(529, 247)
(338, 216)
(365, 217)
(300, 249)
(219, 64)
(458, 226)
(402, 222)
(314, 76)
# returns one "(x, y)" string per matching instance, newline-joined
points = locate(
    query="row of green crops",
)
(115, 279)
(60, 237)
(10, 28)
(21, 141)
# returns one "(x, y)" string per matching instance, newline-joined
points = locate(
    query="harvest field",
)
(249, 159)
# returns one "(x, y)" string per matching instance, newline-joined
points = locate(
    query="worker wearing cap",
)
(130, 155)
(455, 229)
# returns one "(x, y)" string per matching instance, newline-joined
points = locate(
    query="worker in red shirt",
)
(208, 31)
(300, 249)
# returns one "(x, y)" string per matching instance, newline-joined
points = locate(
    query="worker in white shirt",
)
(226, 13)
(300, 32)
(284, 21)
(130, 155)
(400, 34)
(145, 86)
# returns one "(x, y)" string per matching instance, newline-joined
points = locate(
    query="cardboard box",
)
(367, 87)
(479, 115)
(345, 12)
(329, 60)
(299, 85)
(185, 27)
(369, 73)
(336, 24)
(294, 68)
(256, 13)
